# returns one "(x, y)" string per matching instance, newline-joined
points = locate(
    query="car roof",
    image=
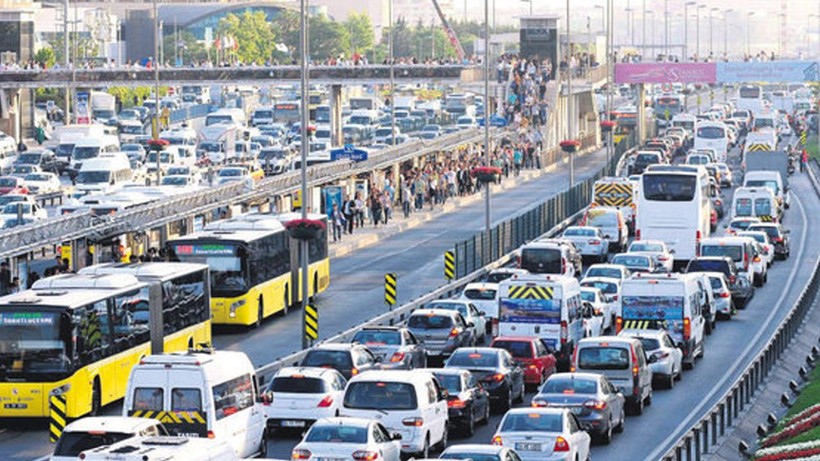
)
(309, 372)
(538, 410)
(344, 421)
(124, 424)
(474, 448)
(583, 375)
(444, 312)
(635, 333)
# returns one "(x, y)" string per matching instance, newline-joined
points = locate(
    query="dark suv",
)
(778, 236)
(742, 291)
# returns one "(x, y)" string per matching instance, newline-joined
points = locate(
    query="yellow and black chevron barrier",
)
(449, 265)
(759, 148)
(390, 289)
(765, 218)
(803, 138)
(311, 322)
(613, 194)
(172, 417)
(639, 324)
(57, 411)
(527, 292)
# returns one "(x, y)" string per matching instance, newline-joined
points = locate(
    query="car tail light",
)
(637, 234)
(746, 261)
(687, 329)
(595, 404)
(414, 422)
(619, 324)
(518, 261)
(572, 362)
(497, 441)
(365, 455)
(777, 239)
(539, 403)
(725, 294)
(326, 402)
(563, 265)
(757, 259)
(635, 369)
(498, 377)
(354, 371)
(564, 332)
(732, 279)
(300, 453)
(454, 332)
(561, 445)
(697, 236)
(594, 242)
(397, 357)
(663, 258)
(211, 435)
(456, 403)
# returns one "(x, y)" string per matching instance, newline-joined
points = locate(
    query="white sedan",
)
(42, 183)
(29, 212)
(600, 305)
(543, 434)
(659, 251)
(665, 360)
(348, 438)
(590, 241)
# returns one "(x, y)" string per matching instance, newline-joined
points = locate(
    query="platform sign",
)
(348, 152)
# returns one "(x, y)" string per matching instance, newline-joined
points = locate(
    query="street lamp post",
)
(487, 215)
(652, 32)
(610, 65)
(157, 38)
(697, 31)
(570, 108)
(666, 29)
(711, 30)
(392, 79)
(603, 17)
(643, 30)
(305, 77)
(726, 33)
(686, 29)
(530, 2)
(748, 27)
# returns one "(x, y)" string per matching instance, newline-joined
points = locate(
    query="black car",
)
(45, 159)
(467, 400)
(347, 359)
(495, 369)
(742, 290)
(777, 235)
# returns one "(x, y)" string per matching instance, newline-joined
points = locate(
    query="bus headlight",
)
(234, 306)
(60, 390)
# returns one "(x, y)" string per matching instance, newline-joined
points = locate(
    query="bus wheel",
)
(261, 314)
(286, 303)
(315, 287)
(96, 399)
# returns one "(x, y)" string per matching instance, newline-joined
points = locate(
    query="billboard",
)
(694, 72)
(82, 114)
(768, 71)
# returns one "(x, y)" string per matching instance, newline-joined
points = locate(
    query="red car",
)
(12, 185)
(531, 354)
(713, 220)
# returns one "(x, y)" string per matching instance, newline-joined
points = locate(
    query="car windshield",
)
(73, 443)
(93, 177)
(741, 224)
(640, 246)
(541, 260)
(711, 132)
(37, 177)
(178, 170)
(650, 344)
(230, 172)
(430, 322)
(647, 158)
(85, 153)
(337, 433)
(473, 359)
(518, 349)
(603, 358)
(481, 294)
(378, 337)
(32, 158)
(379, 395)
(298, 385)
(579, 232)
(175, 181)
(324, 358)
(12, 208)
(570, 385)
(532, 422)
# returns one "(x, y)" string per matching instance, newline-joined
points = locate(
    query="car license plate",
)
(293, 424)
(528, 446)
(330, 459)
(15, 406)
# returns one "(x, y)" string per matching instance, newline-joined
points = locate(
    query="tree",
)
(45, 57)
(360, 30)
(327, 37)
(253, 34)
(190, 49)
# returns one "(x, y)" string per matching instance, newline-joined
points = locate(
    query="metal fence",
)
(188, 113)
(482, 249)
(704, 433)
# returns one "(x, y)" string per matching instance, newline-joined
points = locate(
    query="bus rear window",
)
(669, 188)
(148, 398)
(743, 207)
(711, 132)
(541, 260)
(733, 251)
(603, 358)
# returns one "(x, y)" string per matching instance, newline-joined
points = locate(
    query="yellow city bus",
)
(253, 273)
(79, 335)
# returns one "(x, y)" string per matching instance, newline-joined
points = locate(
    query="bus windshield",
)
(669, 187)
(711, 132)
(30, 343)
(228, 275)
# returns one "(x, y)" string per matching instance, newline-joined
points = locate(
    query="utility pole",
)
(157, 38)
(304, 244)
(66, 39)
(570, 108)
(392, 79)
(487, 210)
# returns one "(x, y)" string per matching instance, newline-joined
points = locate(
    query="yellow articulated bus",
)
(254, 274)
(79, 335)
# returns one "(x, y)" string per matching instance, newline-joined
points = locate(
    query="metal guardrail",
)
(187, 113)
(705, 432)
(401, 313)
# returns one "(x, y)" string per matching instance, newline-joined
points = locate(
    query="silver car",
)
(665, 360)
(723, 295)
(590, 241)
(470, 312)
(395, 347)
(442, 331)
(657, 249)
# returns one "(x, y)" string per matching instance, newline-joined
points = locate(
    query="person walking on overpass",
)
(349, 212)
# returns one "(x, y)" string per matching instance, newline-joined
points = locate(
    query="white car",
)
(28, 211)
(234, 174)
(185, 170)
(179, 180)
(469, 311)
(42, 183)
(658, 249)
(298, 396)
(482, 295)
(543, 434)
(723, 295)
(764, 244)
(611, 287)
(348, 438)
(95, 431)
(665, 360)
(590, 241)
(600, 305)
(615, 271)
(593, 321)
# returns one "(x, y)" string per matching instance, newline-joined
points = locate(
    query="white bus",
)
(750, 97)
(673, 206)
(715, 136)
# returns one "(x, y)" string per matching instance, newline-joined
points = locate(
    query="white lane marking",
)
(685, 423)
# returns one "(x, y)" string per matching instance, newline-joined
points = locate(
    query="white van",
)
(200, 394)
(96, 431)
(412, 403)
(229, 116)
(102, 174)
(163, 448)
(742, 250)
(668, 301)
(758, 202)
(773, 181)
(91, 147)
(545, 306)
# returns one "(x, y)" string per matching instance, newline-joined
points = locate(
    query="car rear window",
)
(378, 395)
(603, 220)
(532, 422)
(733, 251)
(638, 246)
(696, 265)
(771, 231)
(333, 359)
(518, 349)
(337, 434)
(472, 359)
(429, 322)
(481, 294)
(631, 261)
(378, 337)
(450, 382)
(472, 456)
(604, 272)
(73, 443)
(573, 385)
(716, 283)
(606, 287)
(298, 385)
(650, 344)
(603, 358)
(541, 260)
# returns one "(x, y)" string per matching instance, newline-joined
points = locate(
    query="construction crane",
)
(451, 34)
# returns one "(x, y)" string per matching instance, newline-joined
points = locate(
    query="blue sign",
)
(538, 311)
(495, 120)
(348, 152)
(768, 71)
(333, 194)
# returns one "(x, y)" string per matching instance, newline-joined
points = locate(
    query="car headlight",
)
(234, 306)
(60, 390)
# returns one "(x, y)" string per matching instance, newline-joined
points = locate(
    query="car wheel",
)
(670, 380)
(606, 437)
(649, 398)
(521, 392)
(621, 422)
(263, 445)
(637, 407)
(708, 327)
(442, 445)
(486, 418)
(470, 428)
(508, 403)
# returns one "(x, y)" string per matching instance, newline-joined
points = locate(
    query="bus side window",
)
(94, 337)
(130, 319)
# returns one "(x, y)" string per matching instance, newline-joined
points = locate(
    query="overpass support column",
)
(641, 113)
(336, 115)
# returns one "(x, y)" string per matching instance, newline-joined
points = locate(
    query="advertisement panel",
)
(537, 311)
(768, 71)
(695, 72)
(82, 114)
(661, 311)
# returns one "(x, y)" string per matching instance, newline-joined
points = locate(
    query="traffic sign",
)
(449, 265)
(390, 289)
(311, 322)
(348, 152)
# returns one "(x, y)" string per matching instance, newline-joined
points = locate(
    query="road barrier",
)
(311, 322)
(390, 289)
(704, 433)
(57, 406)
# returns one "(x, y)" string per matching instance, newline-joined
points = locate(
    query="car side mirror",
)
(395, 436)
(444, 394)
(266, 398)
(470, 324)
(672, 251)
(606, 236)
(482, 313)
(378, 360)
(787, 231)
